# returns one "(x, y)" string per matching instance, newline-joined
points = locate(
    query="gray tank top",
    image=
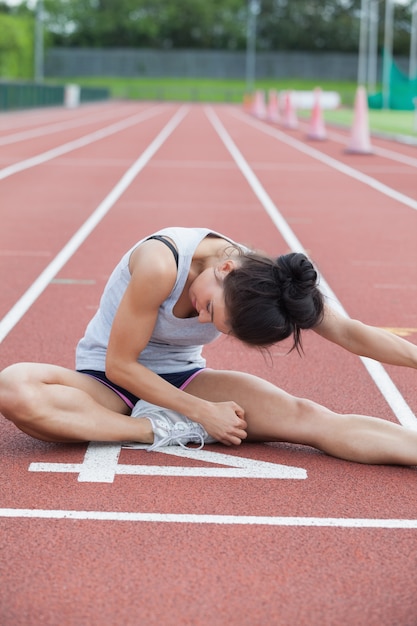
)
(176, 344)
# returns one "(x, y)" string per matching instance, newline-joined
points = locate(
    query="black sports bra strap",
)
(167, 243)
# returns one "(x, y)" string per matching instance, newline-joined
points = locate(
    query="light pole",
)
(388, 47)
(373, 45)
(363, 42)
(254, 7)
(38, 50)
(413, 43)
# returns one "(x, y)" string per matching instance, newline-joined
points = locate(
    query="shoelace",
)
(173, 438)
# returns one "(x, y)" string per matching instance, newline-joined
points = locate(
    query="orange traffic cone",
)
(273, 108)
(289, 120)
(359, 142)
(317, 130)
(259, 108)
(247, 102)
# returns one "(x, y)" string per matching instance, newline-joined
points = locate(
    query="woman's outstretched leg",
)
(52, 403)
(274, 415)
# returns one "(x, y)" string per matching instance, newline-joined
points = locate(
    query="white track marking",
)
(100, 460)
(377, 372)
(384, 152)
(101, 465)
(25, 302)
(330, 161)
(177, 518)
(20, 166)
(55, 127)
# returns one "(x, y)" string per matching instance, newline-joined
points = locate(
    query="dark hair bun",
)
(298, 288)
(269, 300)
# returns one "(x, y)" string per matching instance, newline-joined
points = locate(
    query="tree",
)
(16, 46)
(148, 23)
(216, 24)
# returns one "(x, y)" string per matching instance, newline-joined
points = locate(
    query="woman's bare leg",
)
(52, 403)
(274, 415)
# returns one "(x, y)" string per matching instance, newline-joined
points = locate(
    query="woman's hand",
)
(225, 422)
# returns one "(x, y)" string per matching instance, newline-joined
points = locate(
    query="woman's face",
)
(207, 297)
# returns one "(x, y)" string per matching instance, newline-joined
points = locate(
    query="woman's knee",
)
(308, 422)
(17, 391)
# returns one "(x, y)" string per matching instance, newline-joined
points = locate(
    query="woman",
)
(170, 294)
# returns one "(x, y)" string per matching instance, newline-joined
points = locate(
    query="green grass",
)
(212, 90)
(391, 122)
(203, 90)
(196, 90)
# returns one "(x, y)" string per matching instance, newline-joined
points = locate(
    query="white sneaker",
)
(171, 428)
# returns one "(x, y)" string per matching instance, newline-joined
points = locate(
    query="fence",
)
(141, 63)
(15, 95)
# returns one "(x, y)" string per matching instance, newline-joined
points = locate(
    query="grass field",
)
(392, 122)
(206, 90)
(213, 90)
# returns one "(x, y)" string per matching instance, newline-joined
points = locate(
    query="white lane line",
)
(384, 152)
(25, 302)
(97, 475)
(178, 518)
(48, 129)
(101, 465)
(17, 119)
(324, 158)
(20, 166)
(377, 372)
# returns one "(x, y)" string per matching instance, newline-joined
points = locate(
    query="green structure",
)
(402, 92)
(25, 95)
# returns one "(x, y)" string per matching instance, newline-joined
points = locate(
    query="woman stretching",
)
(171, 294)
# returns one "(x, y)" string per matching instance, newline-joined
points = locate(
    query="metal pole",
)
(413, 44)
(38, 52)
(363, 37)
(253, 10)
(373, 45)
(388, 47)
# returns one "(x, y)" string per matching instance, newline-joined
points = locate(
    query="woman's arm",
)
(152, 279)
(365, 340)
(153, 274)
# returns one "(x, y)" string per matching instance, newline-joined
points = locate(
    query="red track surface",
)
(336, 548)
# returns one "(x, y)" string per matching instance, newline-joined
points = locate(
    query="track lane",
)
(98, 114)
(57, 195)
(12, 121)
(186, 190)
(251, 574)
(192, 591)
(373, 269)
(48, 153)
(354, 165)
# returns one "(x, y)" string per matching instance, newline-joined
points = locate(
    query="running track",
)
(268, 534)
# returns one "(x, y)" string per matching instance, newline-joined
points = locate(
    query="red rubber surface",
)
(76, 572)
